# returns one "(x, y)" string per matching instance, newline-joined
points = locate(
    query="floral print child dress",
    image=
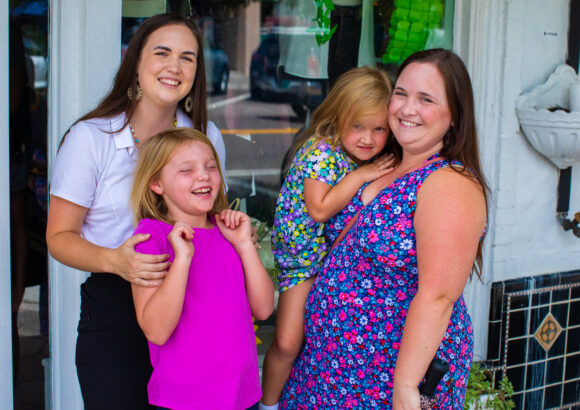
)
(298, 242)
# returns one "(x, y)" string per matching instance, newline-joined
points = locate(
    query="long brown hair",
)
(357, 93)
(153, 156)
(460, 142)
(117, 101)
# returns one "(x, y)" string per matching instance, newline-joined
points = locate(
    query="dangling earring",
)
(188, 104)
(139, 92)
(130, 93)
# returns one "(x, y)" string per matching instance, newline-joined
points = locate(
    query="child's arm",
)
(158, 309)
(324, 201)
(236, 228)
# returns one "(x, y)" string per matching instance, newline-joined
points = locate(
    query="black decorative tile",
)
(574, 318)
(542, 298)
(519, 302)
(545, 281)
(555, 371)
(501, 350)
(560, 295)
(536, 318)
(534, 398)
(560, 312)
(535, 350)
(496, 378)
(518, 400)
(516, 375)
(553, 397)
(496, 301)
(575, 292)
(573, 345)
(571, 393)
(572, 367)
(494, 335)
(518, 324)
(516, 285)
(516, 353)
(535, 375)
(570, 277)
(559, 346)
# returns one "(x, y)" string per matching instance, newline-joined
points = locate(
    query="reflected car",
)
(269, 83)
(217, 68)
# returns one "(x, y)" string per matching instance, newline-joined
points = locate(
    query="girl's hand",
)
(406, 398)
(138, 268)
(235, 226)
(379, 167)
(180, 239)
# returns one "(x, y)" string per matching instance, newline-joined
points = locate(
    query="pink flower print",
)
(373, 237)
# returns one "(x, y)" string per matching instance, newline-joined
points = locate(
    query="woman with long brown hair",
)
(160, 85)
(389, 296)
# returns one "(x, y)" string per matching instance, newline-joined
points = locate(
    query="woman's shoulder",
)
(212, 129)
(97, 126)
(454, 182)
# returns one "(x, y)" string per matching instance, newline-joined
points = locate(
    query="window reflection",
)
(266, 72)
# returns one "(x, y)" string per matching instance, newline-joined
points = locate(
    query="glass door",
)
(28, 56)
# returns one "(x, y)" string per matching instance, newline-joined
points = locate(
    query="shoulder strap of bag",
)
(345, 230)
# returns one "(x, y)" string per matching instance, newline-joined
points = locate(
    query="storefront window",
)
(266, 71)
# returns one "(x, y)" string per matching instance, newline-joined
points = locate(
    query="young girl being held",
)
(199, 320)
(336, 156)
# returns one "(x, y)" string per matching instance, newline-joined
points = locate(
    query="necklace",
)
(134, 134)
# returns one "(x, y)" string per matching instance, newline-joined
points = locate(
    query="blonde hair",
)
(153, 157)
(357, 93)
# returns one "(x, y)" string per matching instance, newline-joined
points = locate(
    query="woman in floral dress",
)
(388, 297)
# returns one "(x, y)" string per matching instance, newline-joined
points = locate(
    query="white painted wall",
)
(507, 53)
(6, 396)
(528, 239)
(85, 50)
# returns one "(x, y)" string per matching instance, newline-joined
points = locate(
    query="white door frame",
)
(6, 396)
(85, 50)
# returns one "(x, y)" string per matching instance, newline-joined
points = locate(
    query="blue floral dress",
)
(356, 311)
(298, 242)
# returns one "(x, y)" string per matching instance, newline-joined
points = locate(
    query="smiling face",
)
(419, 113)
(189, 183)
(366, 136)
(167, 65)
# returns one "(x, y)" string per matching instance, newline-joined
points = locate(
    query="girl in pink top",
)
(199, 320)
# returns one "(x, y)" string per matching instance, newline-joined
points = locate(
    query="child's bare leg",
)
(287, 342)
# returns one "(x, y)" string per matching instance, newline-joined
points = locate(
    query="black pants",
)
(112, 355)
(343, 45)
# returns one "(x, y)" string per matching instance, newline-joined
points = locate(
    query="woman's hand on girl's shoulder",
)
(235, 226)
(139, 268)
(180, 239)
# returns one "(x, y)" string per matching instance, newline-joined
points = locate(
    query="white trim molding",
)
(85, 50)
(479, 38)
